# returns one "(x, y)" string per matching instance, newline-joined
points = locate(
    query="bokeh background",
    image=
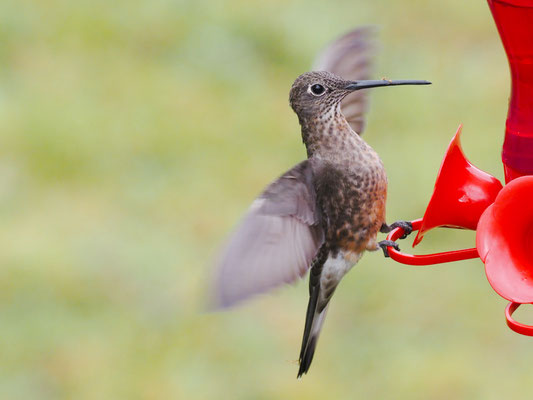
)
(133, 136)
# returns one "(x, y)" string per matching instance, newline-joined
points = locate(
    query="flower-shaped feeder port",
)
(504, 242)
(462, 193)
(466, 197)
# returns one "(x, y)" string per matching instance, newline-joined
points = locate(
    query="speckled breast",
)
(353, 198)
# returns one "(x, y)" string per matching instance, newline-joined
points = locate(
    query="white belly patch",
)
(336, 267)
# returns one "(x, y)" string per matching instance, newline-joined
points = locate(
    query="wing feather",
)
(351, 57)
(275, 242)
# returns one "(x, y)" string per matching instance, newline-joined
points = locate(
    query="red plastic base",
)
(516, 326)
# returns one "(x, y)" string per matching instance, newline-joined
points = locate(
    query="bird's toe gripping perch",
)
(406, 226)
(385, 245)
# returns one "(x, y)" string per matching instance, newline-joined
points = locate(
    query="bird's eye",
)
(317, 89)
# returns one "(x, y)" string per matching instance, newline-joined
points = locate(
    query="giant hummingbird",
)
(326, 211)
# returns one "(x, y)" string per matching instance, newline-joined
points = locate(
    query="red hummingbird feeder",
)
(468, 198)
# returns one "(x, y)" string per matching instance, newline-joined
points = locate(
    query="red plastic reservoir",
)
(514, 19)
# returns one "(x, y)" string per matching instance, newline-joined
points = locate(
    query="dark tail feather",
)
(313, 319)
(311, 309)
(313, 325)
(305, 362)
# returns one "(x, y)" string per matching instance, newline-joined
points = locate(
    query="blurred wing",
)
(351, 57)
(276, 241)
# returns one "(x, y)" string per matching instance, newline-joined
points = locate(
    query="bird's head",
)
(317, 93)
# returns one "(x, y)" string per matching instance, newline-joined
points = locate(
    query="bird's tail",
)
(313, 324)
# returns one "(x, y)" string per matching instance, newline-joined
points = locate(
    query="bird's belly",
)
(336, 266)
(364, 228)
(358, 226)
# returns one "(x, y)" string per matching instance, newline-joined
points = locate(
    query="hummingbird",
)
(321, 215)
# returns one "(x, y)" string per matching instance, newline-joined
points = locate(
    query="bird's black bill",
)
(357, 85)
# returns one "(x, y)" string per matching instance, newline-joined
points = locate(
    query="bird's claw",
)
(384, 244)
(405, 225)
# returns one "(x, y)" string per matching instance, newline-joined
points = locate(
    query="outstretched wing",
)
(351, 57)
(276, 241)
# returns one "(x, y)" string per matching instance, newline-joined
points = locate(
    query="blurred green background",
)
(134, 134)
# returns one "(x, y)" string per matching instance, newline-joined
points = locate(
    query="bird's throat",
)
(329, 136)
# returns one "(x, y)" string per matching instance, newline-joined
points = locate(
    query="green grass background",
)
(134, 134)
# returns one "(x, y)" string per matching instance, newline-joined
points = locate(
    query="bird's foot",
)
(406, 226)
(384, 244)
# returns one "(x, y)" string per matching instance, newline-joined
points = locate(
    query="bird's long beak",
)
(357, 85)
